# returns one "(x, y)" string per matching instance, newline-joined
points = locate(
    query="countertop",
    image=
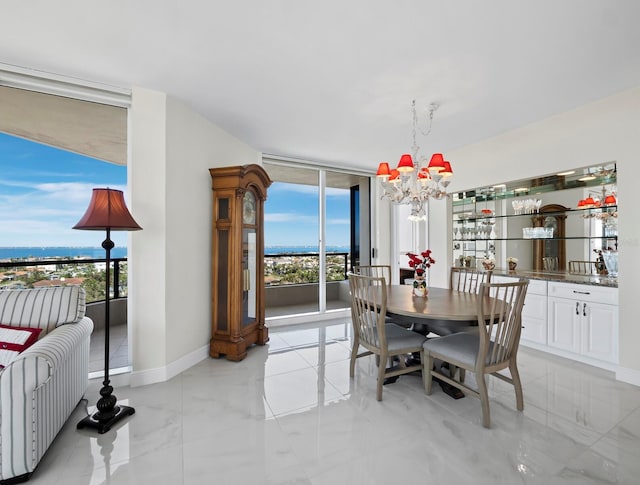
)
(559, 276)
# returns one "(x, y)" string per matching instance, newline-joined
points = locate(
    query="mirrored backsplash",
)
(564, 218)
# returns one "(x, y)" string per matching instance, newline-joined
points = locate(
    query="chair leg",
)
(463, 373)
(382, 363)
(354, 356)
(427, 378)
(484, 399)
(452, 371)
(515, 378)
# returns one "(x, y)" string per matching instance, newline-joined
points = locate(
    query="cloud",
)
(290, 217)
(340, 222)
(311, 190)
(42, 214)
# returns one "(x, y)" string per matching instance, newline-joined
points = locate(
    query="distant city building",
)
(60, 282)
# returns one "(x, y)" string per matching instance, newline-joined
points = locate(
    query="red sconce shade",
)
(436, 164)
(610, 200)
(406, 163)
(395, 175)
(383, 170)
(107, 210)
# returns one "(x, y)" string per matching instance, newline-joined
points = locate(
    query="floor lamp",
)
(108, 212)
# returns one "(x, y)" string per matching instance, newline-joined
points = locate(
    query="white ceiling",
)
(332, 81)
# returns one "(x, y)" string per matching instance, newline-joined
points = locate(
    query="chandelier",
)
(413, 183)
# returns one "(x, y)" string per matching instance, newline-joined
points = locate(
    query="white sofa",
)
(42, 385)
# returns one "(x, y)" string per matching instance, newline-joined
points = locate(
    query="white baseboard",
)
(161, 374)
(630, 376)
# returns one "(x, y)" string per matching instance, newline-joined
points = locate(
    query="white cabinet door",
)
(599, 331)
(564, 324)
(534, 319)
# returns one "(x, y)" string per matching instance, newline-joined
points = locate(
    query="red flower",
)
(421, 264)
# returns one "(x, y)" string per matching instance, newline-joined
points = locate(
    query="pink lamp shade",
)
(436, 164)
(383, 170)
(107, 210)
(446, 171)
(406, 163)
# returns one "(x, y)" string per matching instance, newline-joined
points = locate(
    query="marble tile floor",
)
(290, 414)
(118, 348)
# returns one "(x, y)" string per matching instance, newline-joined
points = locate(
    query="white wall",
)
(172, 149)
(603, 131)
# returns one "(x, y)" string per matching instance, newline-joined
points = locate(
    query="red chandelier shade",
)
(383, 170)
(446, 171)
(406, 163)
(423, 174)
(107, 210)
(436, 164)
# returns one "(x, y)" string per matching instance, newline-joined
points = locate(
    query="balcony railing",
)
(55, 272)
(303, 268)
(290, 279)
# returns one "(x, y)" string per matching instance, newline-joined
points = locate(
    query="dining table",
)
(442, 311)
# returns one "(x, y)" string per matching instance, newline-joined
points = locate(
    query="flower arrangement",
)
(420, 262)
(488, 263)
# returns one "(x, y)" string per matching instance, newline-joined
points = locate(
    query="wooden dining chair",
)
(384, 340)
(468, 280)
(582, 267)
(380, 271)
(550, 263)
(493, 348)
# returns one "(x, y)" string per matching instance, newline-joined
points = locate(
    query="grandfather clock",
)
(237, 296)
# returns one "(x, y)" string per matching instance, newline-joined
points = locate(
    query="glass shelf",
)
(590, 210)
(535, 238)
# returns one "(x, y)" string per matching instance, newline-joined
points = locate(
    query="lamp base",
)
(102, 426)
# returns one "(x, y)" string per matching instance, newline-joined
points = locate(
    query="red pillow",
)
(14, 340)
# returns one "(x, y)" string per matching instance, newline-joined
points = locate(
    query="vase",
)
(419, 286)
(512, 266)
(611, 262)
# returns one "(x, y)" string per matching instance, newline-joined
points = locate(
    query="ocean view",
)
(121, 252)
(303, 249)
(59, 252)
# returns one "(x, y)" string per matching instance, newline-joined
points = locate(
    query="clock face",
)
(249, 208)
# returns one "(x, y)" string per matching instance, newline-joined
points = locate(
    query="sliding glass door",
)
(314, 221)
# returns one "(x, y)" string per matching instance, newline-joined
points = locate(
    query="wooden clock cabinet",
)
(237, 292)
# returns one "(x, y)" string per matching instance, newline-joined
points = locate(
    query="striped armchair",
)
(42, 385)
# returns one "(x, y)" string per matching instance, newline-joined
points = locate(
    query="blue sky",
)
(291, 216)
(44, 191)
